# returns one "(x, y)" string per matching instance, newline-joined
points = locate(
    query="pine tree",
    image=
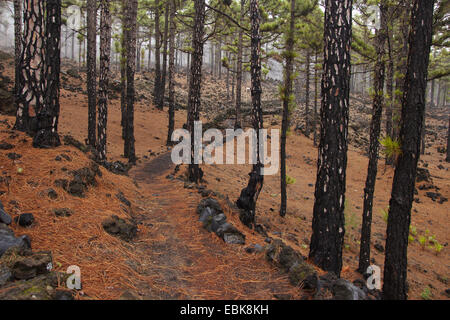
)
(92, 68)
(195, 174)
(105, 50)
(171, 72)
(238, 123)
(328, 217)
(250, 194)
(131, 30)
(375, 128)
(47, 113)
(413, 107)
(158, 79)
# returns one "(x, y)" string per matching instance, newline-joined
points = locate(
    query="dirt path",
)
(178, 259)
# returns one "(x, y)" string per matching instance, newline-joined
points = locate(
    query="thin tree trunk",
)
(238, 123)
(250, 194)
(287, 92)
(413, 107)
(105, 49)
(448, 141)
(328, 219)
(157, 88)
(131, 19)
(195, 174)
(316, 96)
(123, 73)
(164, 70)
(375, 127)
(17, 51)
(171, 72)
(92, 69)
(308, 72)
(389, 89)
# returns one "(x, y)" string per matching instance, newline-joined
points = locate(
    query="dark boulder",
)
(4, 217)
(283, 255)
(119, 227)
(63, 212)
(9, 240)
(25, 219)
(345, 290)
(32, 266)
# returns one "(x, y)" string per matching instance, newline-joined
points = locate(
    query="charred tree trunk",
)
(105, 49)
(448, 142)
(375, 128)
(308, 72)
(287, 99)
(29, 90)
(48, 113)
(195, 174)
(18, 14)
(250, 194)
(389, 91)
(131, 22)
(171, 72)
(316, 96)
(164, 70)
(123, 72)
(157, 88)
(92, 69)
(238, 123)
(328, 219)
(413, 108)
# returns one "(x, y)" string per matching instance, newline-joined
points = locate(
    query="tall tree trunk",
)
(131, 22)
(105, 50)
(18, 14)
(375, 127)
(287, 99)
(195, 174)
(389, 88)
(157, 88)
(150, 50)
(164, 69)
(308, 72)
(29, 91)
(250, 194)
(48, 113)
(238, 123)
(171, 72)
(328, 219)
(92, 69)
(316, 96)
(448, 141)
(123, 72)
(413, 108)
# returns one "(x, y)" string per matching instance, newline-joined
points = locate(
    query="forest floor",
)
(173, 257)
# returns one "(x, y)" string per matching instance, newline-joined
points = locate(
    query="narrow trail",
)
(178, 259)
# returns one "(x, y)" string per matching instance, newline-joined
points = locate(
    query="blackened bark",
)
(328, 219)
(157, 88)
(287, 92)
(448, 142)
(131, 22)
(389, 90)
(375, 128)
(92, 68)
(29, 90)
(171, 72)
(238, 123)
(413, 108)
(17, 49)
(48, 113)
(105, 50)
(195, 173)
(308, 72)
(123, 72)
(316, 96)
(250, 194)
(160, 104)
